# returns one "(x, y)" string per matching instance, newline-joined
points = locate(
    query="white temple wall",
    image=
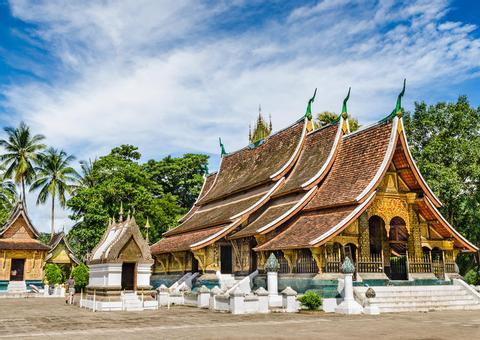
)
(143, 274)
(105, 275)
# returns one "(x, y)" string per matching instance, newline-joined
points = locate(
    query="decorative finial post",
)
(308, 113)
(272, 266)
(398, 106)
(147, 227)
(222, 148)
(121, 213)
(349, 305)
(344, 106)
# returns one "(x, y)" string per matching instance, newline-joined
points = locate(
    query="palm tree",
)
(85, 179)
(54, 177)
(8, 192)
(21, 152)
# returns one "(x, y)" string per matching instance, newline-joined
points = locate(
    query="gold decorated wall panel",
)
(33, 268)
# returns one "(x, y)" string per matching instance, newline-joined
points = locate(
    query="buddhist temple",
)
(61, 254)
(314, 197)
(121, 261)
(22, 254)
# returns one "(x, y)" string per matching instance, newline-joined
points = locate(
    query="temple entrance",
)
(128, 276)
(194, 264)
(397, 240)
(376, 229)
(16, 272)
(226, 259)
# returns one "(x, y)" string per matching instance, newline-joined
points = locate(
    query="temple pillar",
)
(415, 233)
(364, 238)
(291, 257)
(317, 254)
(201, 258)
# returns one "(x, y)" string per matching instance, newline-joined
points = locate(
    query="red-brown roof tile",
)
(359, 157)
(19, 244)
(182, 242)
(220, 212)
(306, 228)
(314, 154)
(250, 167)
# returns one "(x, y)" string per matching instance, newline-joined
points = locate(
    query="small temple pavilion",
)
(314, 196)
(61, 254)
(121, 261)
(22, 254)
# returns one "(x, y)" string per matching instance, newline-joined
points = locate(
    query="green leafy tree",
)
(445, 142)
(327, 117)
(182, 176)
(80, 275)
(120, 179)
(21, 152)
(54, 178)
(53, 274)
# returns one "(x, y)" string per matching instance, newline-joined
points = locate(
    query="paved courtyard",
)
(51, 318)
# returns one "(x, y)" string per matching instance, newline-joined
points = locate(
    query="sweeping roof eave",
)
(251, 167)
(459, 237)
(313, 230)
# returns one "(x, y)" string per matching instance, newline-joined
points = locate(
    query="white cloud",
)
(157, 75)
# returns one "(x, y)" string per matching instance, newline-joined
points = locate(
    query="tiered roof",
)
(301, 188)
(18, 233)
(122, 238)
(57, 240)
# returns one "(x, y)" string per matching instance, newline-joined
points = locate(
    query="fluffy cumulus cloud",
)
(172, 76)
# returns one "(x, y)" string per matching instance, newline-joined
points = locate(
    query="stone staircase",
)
(131, 302)
(17, 287)
(420, 298)
(227, 281)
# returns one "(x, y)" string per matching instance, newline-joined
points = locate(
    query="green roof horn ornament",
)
(308, 114)
(344, 106)
(398, 106)
(222, 148)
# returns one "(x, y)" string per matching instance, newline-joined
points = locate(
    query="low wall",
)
(156, 280)
(325, 288)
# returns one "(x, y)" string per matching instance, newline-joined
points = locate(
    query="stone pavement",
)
(51, 318)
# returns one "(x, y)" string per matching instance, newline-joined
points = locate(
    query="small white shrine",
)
(120, 268)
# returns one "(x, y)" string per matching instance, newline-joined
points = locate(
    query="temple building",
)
(61, 254)
(121, 261)
(313, 197)
(22, 254)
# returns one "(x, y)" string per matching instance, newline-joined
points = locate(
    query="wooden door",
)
(128, 276)
(16, 272)
(226, 259)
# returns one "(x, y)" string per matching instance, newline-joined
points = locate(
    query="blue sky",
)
(170, 77)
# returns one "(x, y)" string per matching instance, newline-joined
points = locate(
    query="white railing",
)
(244, 284)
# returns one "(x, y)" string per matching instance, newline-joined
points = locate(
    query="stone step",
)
(422, 299)
(426, 303)
(396, 295)
(413, 288)
(427, 309)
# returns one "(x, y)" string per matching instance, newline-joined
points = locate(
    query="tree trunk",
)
(23, 193)
(52, 232)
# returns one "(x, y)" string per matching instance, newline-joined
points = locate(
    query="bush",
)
(80, 275)
(311, 300)
(472, 277)
(53, 274)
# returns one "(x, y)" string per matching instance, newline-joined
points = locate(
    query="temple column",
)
(317, 254)
(291, 257)
(364, 238)
(415, 233)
